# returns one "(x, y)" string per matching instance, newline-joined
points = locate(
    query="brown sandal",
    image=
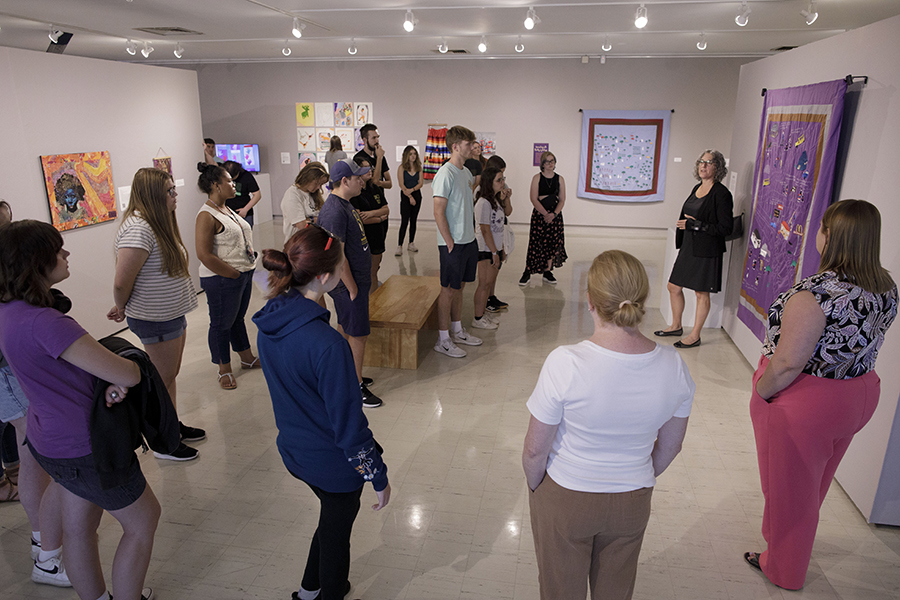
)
(9, 492)
(226, 384)
(253, 364)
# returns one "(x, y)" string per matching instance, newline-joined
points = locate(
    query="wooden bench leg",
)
(392, 348)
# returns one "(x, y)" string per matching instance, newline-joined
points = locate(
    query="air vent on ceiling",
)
(783, 48)
(164, 31)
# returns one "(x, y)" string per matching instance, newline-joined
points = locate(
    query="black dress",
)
(546, 241)
(698, 273)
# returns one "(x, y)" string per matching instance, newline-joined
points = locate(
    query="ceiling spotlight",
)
(147, 49)
(410, 22)
(482, 45)
(743, 16)
(352, 49)
(131, 47)
(179, 51)
(442, 47)
(520, 47)
(286, 50)
(531, 18)
(297, 28)
(640, 17)
(701, 45)
(606, 45)
(810, 14)
(54, 34)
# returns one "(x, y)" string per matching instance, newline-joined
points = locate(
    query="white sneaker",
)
(463, 337)
(449, 348)
(412, 247)
(398, 251)
(50, 572)
(484, 322)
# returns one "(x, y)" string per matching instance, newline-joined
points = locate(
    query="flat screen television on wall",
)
(246, 154)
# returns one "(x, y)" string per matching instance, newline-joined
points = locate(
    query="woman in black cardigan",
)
(704, 222)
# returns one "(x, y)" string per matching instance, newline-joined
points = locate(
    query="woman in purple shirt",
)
(56, 363)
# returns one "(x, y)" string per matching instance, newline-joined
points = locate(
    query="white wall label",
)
(412, 142)
(179, 183)
(124, 196)
(677, 159)
(400, 153)
(733, 180)
(285, 158)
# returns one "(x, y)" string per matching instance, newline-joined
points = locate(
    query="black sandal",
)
(752, 559)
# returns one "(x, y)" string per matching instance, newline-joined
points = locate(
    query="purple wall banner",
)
(538, 150)
(792, 185)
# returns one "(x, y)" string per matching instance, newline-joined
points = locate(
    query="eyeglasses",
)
(705, 162)
(172, 192)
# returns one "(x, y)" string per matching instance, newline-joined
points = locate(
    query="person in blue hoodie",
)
(323, 436)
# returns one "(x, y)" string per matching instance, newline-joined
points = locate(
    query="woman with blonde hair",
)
(152, 287)
(303, 200)
(409, 174)
(815, 386)
(608, 415)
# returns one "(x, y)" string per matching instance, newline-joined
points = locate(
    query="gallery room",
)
(98, 90)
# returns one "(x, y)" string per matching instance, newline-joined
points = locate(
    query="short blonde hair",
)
(618, 288)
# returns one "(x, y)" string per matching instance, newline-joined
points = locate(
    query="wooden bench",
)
(399, 313)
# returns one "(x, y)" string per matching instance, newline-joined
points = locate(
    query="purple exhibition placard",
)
(538, 150)
(792, 187)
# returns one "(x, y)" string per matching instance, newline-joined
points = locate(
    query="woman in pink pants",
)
(815, 386)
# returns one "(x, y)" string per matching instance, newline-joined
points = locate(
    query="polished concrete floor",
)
(236, 525)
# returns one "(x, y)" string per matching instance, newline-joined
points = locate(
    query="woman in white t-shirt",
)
(489, 217)
(152, 287)
(608, 415)
(302, 201)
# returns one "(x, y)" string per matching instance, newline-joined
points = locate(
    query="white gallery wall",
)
(869, 473)
(523, 100)
(57, 104)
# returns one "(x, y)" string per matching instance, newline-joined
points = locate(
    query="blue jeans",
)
(228, 300)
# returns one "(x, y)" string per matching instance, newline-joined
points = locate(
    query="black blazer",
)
(714, 221)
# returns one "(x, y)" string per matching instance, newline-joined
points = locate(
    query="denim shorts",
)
(13, 403)
(154, 332)
(79, 476)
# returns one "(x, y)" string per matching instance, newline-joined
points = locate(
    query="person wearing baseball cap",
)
(351, 296)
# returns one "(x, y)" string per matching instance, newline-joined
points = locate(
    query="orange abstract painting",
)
(79, 188)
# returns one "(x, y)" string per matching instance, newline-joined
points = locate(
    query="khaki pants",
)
(582, 537)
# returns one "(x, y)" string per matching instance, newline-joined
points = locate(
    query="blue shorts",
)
(13, 403)
(79, 476)
(352, 315)
(154, 332)
(459, 266)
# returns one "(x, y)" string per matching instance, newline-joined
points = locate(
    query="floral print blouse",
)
(855, 324)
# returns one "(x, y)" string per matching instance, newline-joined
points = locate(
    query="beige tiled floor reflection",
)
(236, 526)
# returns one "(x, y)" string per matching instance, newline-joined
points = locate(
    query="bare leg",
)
(81, 555)
(358, 349)
(676, 298)
(456, 303)
(247, 356)
(444, 302)
(138, 523)
(376, 265)
(38, 494)
(703, 302)
(487, 276)
(166, 357)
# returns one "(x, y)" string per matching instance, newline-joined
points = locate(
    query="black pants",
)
(328, 563)
(408, 216)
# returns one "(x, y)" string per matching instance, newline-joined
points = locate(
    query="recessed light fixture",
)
(531, 19)
(743, 17)
(701, 45)
(297, 28)
(606, 45)
(810, 14)
(352, 49)
(287, 49)
(640, 17)
(442, 47)
(131, 47)
(520, 47)
(54, 33)
(179, 51)
(147, 49)
(410, 22)
(482, 45)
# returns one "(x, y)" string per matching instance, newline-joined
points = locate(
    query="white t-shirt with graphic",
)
(485, 215)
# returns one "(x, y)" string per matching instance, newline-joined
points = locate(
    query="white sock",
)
(46, 555)
(36, 536)
(104, 596)
(443, 335)
(456, 327)
(308, 595)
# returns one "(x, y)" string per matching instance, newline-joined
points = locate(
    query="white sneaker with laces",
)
(464, 337)
(484, 322)
(412, 247)
(50, 572)
(398, 251)
(449, 348)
